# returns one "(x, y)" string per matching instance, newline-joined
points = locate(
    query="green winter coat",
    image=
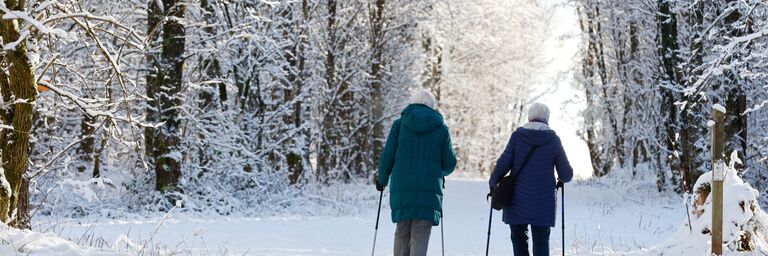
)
(418, 154)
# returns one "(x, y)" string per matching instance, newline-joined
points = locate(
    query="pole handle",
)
(378, 213)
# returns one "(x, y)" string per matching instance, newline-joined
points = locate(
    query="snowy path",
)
(599, 221)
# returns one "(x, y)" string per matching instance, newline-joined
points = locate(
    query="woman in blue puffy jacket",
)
(533, 201)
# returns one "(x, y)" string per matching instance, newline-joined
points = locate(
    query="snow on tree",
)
(77, 58)
(651, 71)
(482, 62)
(18, 88)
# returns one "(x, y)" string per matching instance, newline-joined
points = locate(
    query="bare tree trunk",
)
(154, 16)
(298, 157)
(23, 220)
(736, 100)
(168, 163)
(667, 36)
(638, 153)
(328, 138)
(5, 119)
(97, 156)
(211, 68)
(609, 152)
(85, 151)
(688, 166)
(377, 113)
(434, 70)
(742, 122)
(590, 63)
(20, 83)
(163, 88)
(689, 133)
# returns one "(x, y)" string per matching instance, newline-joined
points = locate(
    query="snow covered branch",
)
(716, 66)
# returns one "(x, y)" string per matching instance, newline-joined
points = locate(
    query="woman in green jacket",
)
(417, 156)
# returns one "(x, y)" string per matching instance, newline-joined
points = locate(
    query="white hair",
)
(421, 96)
(538, 112)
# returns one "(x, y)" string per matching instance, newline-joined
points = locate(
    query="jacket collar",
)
(536, 125)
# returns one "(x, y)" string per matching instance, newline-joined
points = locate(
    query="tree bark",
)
(210, 70)
(163, 88)
(154, 16)
(668, 46)
(736, 100)
(298, 155)
(691, 161)
(591, 68)
(86, 149)
(5, 119)
(210, 66)
(168, 164)
(325, 159)
(21, 85)
(377, 113)
(23, 220)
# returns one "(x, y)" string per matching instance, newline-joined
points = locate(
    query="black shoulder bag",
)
(501, 195)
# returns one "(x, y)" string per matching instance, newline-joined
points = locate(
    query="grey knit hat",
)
(538, 112)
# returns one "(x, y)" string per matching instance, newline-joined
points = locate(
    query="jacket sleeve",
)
(387, 158)
(448, 158)
(504, 163)
(564, 169)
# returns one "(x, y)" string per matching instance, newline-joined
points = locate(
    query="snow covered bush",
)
(745, 224)
(76, 198)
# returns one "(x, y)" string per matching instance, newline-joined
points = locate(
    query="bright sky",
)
(565, 101)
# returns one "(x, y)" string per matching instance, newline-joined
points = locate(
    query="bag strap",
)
(525, 162)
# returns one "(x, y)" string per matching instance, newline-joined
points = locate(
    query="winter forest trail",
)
(603, 216)
(599, 221)
(218, 128)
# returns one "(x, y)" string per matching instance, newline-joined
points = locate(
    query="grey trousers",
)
(412, 237)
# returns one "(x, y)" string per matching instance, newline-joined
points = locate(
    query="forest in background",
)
(652, 70)
(239, 107)
(248, 107)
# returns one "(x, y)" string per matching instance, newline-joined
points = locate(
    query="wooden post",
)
(718, 175)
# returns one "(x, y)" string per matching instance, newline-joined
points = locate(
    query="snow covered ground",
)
(607, 216)
(600, 219)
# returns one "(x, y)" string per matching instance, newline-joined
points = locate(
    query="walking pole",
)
(442, 235)
(490, 217)
(376, 232)
(562, 204)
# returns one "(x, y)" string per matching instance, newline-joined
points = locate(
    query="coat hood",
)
(535, 137)
(420, 118)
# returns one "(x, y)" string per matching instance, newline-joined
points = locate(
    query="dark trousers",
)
(520, 240)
